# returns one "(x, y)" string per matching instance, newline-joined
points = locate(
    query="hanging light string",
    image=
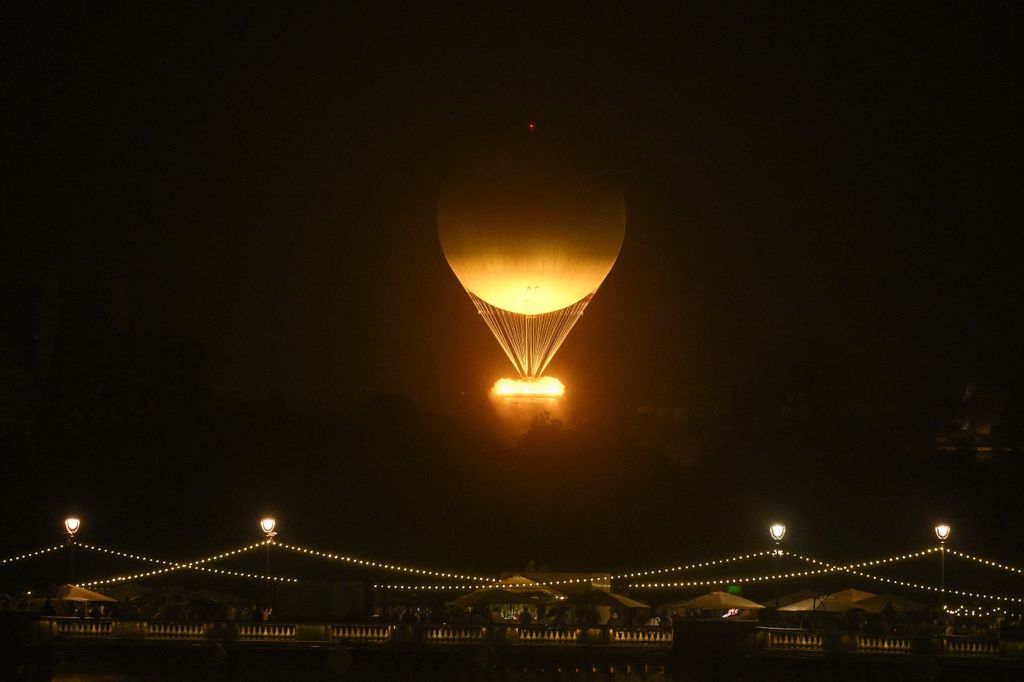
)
(163, 562)
(29, 555)
(588, 579)
(730, 581)
(654, 571)
(986, 562)
(681, 583)
(383, 565)
(828, 568)
(125, 555)
(197, 564)
(967, 610)
(690, 567)
(873, 562)
(851, 568)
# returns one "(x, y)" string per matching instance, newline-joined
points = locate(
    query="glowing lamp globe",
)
(777, 531)
(531, 228)
(72, 524)
(267, 525)
(942, 531)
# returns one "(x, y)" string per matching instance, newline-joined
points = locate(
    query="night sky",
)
(821, 252)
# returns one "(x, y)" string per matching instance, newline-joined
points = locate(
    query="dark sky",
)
(840, 179)
(267, 180)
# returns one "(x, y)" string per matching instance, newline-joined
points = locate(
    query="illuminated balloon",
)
(530, 230)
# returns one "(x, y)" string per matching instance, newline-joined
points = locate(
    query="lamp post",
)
(267, 525)
(942, 531)
(71, 526)
(777, 531)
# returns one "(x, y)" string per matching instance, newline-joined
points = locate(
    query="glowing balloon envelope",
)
(531, 232)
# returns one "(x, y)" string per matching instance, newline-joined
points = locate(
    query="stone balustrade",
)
(156, 630)
(800, 640)
(83, 628)
(457, 634)
(266, 631)
(560, 635)
(964, 646)
(499, 635)
(361, 633)
(885, 645)
(642, 637)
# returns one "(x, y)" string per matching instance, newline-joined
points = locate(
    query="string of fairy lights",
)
(474, 582)
(986, 562)
(851, 568)
(383, 565)
(965, 610)
(195, 564)
(826, 567)
(29, 555)
(480, 582)
(587, 579)
(681, 568)
(690, 567)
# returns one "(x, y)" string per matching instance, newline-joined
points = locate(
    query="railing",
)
(964, 646)
(156, 630)
(801, 641)
(561, 635)
(885, 645)
(838, 642)
(83, 628)
(361, 633)
(266, 631)
(499, 634)
(642, 637)
(454, 634)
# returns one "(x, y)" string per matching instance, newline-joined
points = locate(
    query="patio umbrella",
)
(514, 590)
(602, 597)
(825, 604)
(717, 601)
(67, 592)
(895, 602)
(790, 598)
(119, 591)
(852, 594)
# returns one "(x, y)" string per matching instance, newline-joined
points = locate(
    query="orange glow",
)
(542, 387)
(528, 228)
(531, 229)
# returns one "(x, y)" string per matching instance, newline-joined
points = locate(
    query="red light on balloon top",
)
(531, 126)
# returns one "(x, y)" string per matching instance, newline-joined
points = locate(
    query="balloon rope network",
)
(530, 341)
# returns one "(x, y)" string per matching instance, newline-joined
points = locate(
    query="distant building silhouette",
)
(988, 420)
(68, 354)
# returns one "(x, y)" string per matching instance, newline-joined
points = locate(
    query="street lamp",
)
(942, 531)
(777, 531)
(71, 526)
(267, 525)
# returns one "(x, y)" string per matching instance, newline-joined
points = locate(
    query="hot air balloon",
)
(531, 228)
